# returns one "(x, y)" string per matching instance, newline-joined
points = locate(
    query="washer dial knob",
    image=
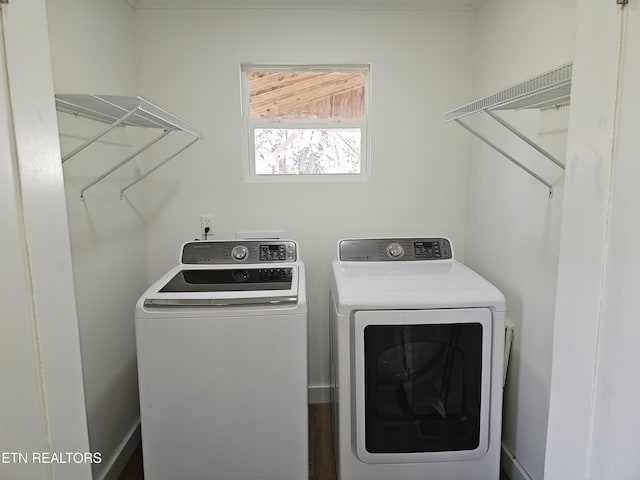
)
(239, 253)
(395, 250)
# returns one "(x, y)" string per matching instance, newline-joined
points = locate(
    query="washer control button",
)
(395, 250)
(240, 276)
(239, 253)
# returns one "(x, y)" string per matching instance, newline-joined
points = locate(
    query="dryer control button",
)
(395, 250)
(239, 253)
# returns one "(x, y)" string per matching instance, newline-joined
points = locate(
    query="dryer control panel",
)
(239, 252)
(394, 249)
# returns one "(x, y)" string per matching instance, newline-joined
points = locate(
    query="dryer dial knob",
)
(239, 253)
(395, 250)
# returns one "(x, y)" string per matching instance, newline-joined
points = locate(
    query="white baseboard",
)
(319, 394)
(511, 466)
(120, 458)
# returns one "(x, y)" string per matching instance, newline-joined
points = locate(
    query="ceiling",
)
(323, 4)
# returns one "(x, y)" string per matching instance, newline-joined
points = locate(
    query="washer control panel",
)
(239, 252)
(276, 252)
(394, 249)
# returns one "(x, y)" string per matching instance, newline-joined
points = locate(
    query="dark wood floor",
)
(322, 461)
(133, 470)
(321, 456)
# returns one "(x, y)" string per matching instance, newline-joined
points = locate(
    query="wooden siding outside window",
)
(306, 95)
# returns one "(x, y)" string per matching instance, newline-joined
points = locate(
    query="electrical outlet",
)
(206, 221)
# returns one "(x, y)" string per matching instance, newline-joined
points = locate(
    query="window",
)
(306, 121)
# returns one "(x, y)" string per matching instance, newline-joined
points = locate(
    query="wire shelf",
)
(109, 108)
(550, 89)
(547, 90)
(123, 111)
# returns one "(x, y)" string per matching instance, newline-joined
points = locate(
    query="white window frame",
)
(248, 125)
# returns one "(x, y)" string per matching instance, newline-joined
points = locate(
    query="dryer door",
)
(422, 384)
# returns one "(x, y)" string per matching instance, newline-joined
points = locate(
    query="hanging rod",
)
(97, 137)
(525, 139)
(506, 155)
(130, 157)
(122, 190)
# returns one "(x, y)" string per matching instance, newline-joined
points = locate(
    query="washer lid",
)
(411, 285)
(225, 285)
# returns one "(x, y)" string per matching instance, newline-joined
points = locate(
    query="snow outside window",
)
(307, 121)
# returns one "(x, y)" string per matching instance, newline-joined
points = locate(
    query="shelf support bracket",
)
(525, 139)
(130, 157)
(123, 189)
(99, 135)
(505, 154)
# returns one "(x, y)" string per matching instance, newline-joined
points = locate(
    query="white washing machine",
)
(417, 344)
(222, 364)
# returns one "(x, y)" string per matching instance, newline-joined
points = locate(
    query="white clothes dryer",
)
(417, 345)
(222, 364)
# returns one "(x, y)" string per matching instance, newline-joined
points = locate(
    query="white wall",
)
(513, 228)
(593, 420)
(189, 61)
(616, 425)
(92, 50)
(42, 405)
